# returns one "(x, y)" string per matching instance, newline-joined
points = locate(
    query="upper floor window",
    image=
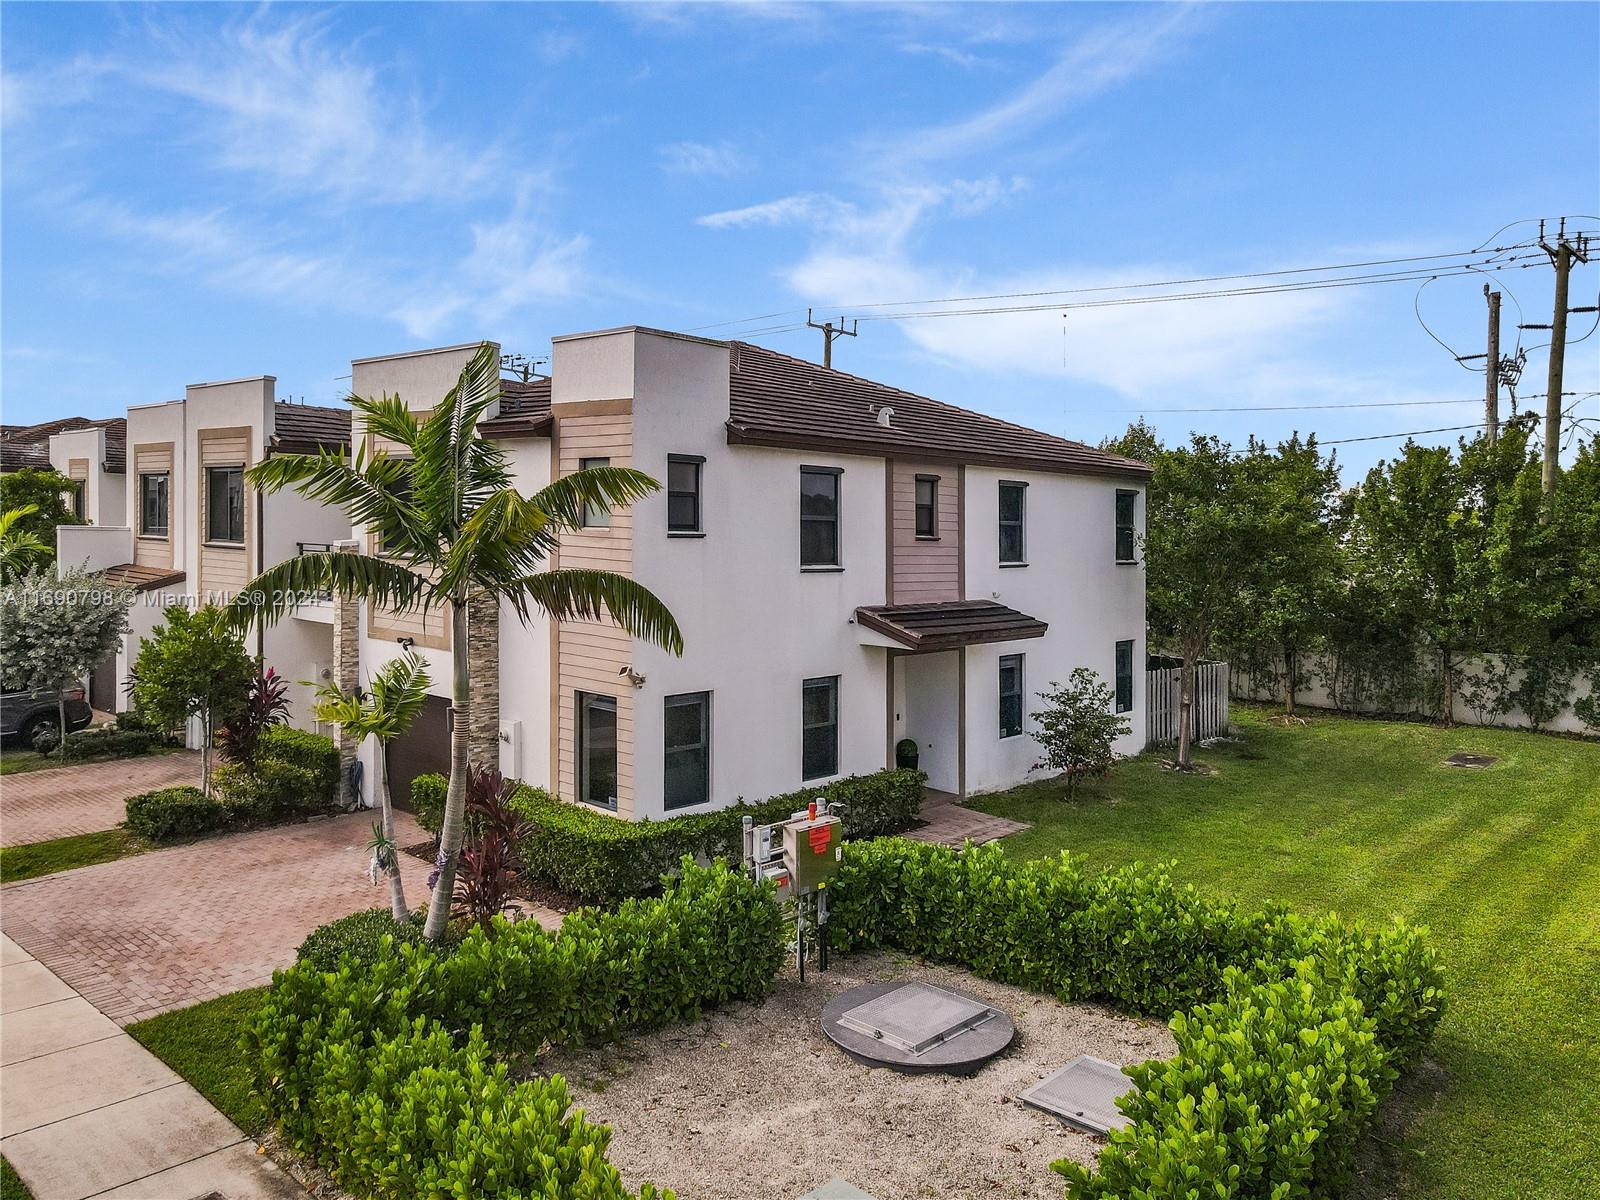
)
(390, 540)
(819, 727)
(927, 505)
(153, 503)
(1010, 695)
(819, 516)
(225, 504)
(1125, 538)
(686, 770)
(1124, 677)
(595, 516)
(1013, 512)
(683, 493)
(75, 498)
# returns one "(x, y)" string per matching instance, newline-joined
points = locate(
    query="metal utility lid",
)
(836, 1189)
(916, 1017)
(1084, 1094)
(1474, 761)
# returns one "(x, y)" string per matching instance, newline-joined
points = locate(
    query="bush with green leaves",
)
(294, 774)
(1290, 1029)
(1078, 726)
(427, 801)
(360, 936)
(175, 813)
(603, 860)
(360, 1068)
(106, 741)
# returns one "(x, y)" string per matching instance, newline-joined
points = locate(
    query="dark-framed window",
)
(595, 516)
(1125, 528)
(686, 768)
(153, 487)
(927, 506)
(819, 516)
(1124, 677)
(683, 493)
(819, 722)
(1013, 518)
(597, 749)
(388, 541)
(1010, 695)
(225, 504)
(76, 497)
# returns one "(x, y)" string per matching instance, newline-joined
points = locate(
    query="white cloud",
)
(702, 158)
(961, 58)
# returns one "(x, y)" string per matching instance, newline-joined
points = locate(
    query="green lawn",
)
(62, 854)
(201, 1043)
(1359, 817)
(11, 1186)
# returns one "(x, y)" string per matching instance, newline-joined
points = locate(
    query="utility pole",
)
(1491, 369)
(829, 332)
(1561, 255)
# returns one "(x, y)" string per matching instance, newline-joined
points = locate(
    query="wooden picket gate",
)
(1208, 717)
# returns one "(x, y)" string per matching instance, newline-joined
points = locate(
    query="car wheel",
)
(32, 727)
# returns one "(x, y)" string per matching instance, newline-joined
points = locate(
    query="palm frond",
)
(564, 499)
(399, 689)
(387, 417)
(278, 589)
(583, 594)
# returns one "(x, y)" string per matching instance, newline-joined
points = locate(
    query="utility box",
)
(812, 848)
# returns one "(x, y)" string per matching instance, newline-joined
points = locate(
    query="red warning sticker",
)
(820, 836)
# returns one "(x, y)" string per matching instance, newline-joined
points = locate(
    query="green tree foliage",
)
(20, 547)
(193, 665)
(47, 492)
(1078, 727)
(454, 531)
(54, 632)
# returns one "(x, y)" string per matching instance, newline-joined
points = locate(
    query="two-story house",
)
(851, 565)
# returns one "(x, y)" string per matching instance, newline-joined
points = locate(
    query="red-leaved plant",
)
(490, 861)
(267, 703)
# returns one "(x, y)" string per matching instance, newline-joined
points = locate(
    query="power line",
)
(1378, 437)
(1309, 407)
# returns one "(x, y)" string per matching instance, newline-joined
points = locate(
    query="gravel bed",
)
(754, 1101)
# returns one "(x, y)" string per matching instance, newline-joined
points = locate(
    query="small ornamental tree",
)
(266, 703)
(54, 632)
(1078, 727)
(20, 547)
(193, 666)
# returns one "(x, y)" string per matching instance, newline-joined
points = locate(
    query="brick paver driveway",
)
(36, 806)
(167, 929)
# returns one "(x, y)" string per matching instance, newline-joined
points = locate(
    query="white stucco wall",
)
(104, 492)
(525, 713)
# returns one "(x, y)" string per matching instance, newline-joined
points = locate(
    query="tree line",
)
(1445, 572)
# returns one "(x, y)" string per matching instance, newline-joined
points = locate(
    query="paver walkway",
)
(88, 1112)
(164, 930)
(947, 823)
(36, 806)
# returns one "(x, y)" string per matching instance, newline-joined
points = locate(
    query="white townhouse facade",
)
(851, 565)
(191, 530)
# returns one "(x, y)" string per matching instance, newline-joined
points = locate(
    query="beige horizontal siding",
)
(925, 571)
(223, 569)
(151, 458)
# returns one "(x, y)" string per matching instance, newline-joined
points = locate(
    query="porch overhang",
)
(923, 628)
(142, 578)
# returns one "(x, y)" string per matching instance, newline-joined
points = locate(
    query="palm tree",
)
(398, 690)
(453, 530)
(19, 548)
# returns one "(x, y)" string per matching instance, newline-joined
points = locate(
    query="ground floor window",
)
(1124, 677)
(1010, 695)
(597, 749)
(686, 776)
(819, 754)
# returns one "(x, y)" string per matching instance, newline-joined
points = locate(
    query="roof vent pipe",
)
(885, 415)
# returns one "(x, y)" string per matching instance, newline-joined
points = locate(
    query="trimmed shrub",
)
(173, 813)
(427, 801)
(294, 775)
(313, 752)
(108, 741)
(360, 936)
(604, 860)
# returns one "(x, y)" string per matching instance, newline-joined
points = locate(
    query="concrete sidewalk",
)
(85, 1111)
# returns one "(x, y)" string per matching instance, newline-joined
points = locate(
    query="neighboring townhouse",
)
(851, 565)
(92, 453)
(195, 531)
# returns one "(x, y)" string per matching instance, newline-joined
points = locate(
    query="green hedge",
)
(603, 860)
(174, 813)
(102, 741)
(359, 1068)
(427, 801)
(1290, 1029)
(313, 752)
(360, 936)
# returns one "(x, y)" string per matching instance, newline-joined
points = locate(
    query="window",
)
(595, 516)
(1010, 695)
(927, 506)
(225, 504)
(388, 541)
(1125, 540)
(686, 774)
(1124, 677)
(597, 749)
(153, 503)
(819, 717)
(819, 516)
(683, 493)
(1013, 498)
(75, 498)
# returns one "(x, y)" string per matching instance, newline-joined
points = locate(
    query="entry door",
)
(597, 749)
(424, 748)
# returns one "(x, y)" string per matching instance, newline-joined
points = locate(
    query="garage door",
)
(422, 749)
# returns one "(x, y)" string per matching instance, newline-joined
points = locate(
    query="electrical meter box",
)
(812, 847)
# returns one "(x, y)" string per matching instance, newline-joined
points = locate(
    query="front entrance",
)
(927, 707)
(424, 748)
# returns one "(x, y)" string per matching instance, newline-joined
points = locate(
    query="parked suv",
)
(24, 714)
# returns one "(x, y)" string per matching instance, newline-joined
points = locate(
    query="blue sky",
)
(203, 192)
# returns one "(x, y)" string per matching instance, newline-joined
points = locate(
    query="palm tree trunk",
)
(397, 887)
(452, 827)
(1288, 680)
(1185, 707)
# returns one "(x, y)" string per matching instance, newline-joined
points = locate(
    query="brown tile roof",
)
(777, 400)
(307, 428)
(29, 445)
(524, 410)
(950, 624)
(142, 578)
(20, 456)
